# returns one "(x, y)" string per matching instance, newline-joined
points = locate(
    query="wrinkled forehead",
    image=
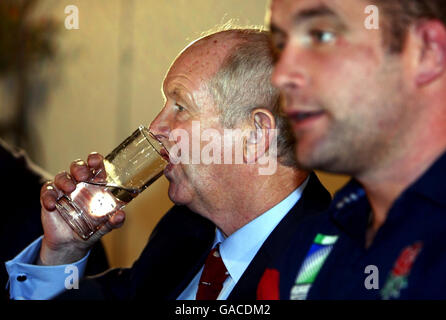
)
(196, 61)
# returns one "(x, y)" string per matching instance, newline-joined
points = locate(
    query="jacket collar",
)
(432, 184)
(350, 209)
(315, 199)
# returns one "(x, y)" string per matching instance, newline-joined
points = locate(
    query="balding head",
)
(205, 56)
(235, 65)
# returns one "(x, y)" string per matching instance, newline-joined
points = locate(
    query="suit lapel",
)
(315, 199)
(191, 273)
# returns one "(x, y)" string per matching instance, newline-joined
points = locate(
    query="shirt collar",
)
(431, 184)
(239, 249)
(351, 210)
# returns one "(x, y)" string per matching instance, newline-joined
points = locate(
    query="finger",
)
(80, 171)
(116, 221)
(64, 182)
(96, 162)
(48, 196)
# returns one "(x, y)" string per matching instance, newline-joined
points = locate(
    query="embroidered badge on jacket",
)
(314, 260)
(397, 279)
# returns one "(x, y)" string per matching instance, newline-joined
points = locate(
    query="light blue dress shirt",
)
(33, 282)
(239, 249)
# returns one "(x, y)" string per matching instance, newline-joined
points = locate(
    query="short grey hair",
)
(243, 83)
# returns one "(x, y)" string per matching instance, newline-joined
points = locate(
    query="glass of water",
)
(130, 168)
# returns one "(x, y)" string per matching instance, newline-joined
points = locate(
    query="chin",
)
(177, 195)
(305, 157)
(324, 161)
(312, 152)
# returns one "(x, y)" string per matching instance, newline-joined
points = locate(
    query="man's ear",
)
(431, 47)
(257, 141)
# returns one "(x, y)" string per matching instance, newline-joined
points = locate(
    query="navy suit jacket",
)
(178, 247)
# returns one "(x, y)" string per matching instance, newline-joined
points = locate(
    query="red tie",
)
(213, 276)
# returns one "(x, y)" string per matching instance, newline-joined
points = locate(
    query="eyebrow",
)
(308, 14)
(175, 92)
(305, 15)
(181, 96)
(275, 29)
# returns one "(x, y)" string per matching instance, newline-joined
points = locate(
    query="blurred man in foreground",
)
(369, 103)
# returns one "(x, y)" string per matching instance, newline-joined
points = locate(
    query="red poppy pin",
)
(268, 288)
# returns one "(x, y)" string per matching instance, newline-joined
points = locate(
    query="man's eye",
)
(278, 46)
(322, 37)
(179, 108)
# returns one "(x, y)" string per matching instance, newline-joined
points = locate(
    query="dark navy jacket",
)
(407, 259)
(178, 247)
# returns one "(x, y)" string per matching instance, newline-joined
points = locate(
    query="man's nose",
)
(160, 126)
(288, 74)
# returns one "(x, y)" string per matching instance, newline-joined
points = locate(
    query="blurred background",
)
(67, 92)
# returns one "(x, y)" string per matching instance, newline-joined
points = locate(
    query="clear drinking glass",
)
(131, 167)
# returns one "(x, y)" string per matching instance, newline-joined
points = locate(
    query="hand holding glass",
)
(130, 168)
